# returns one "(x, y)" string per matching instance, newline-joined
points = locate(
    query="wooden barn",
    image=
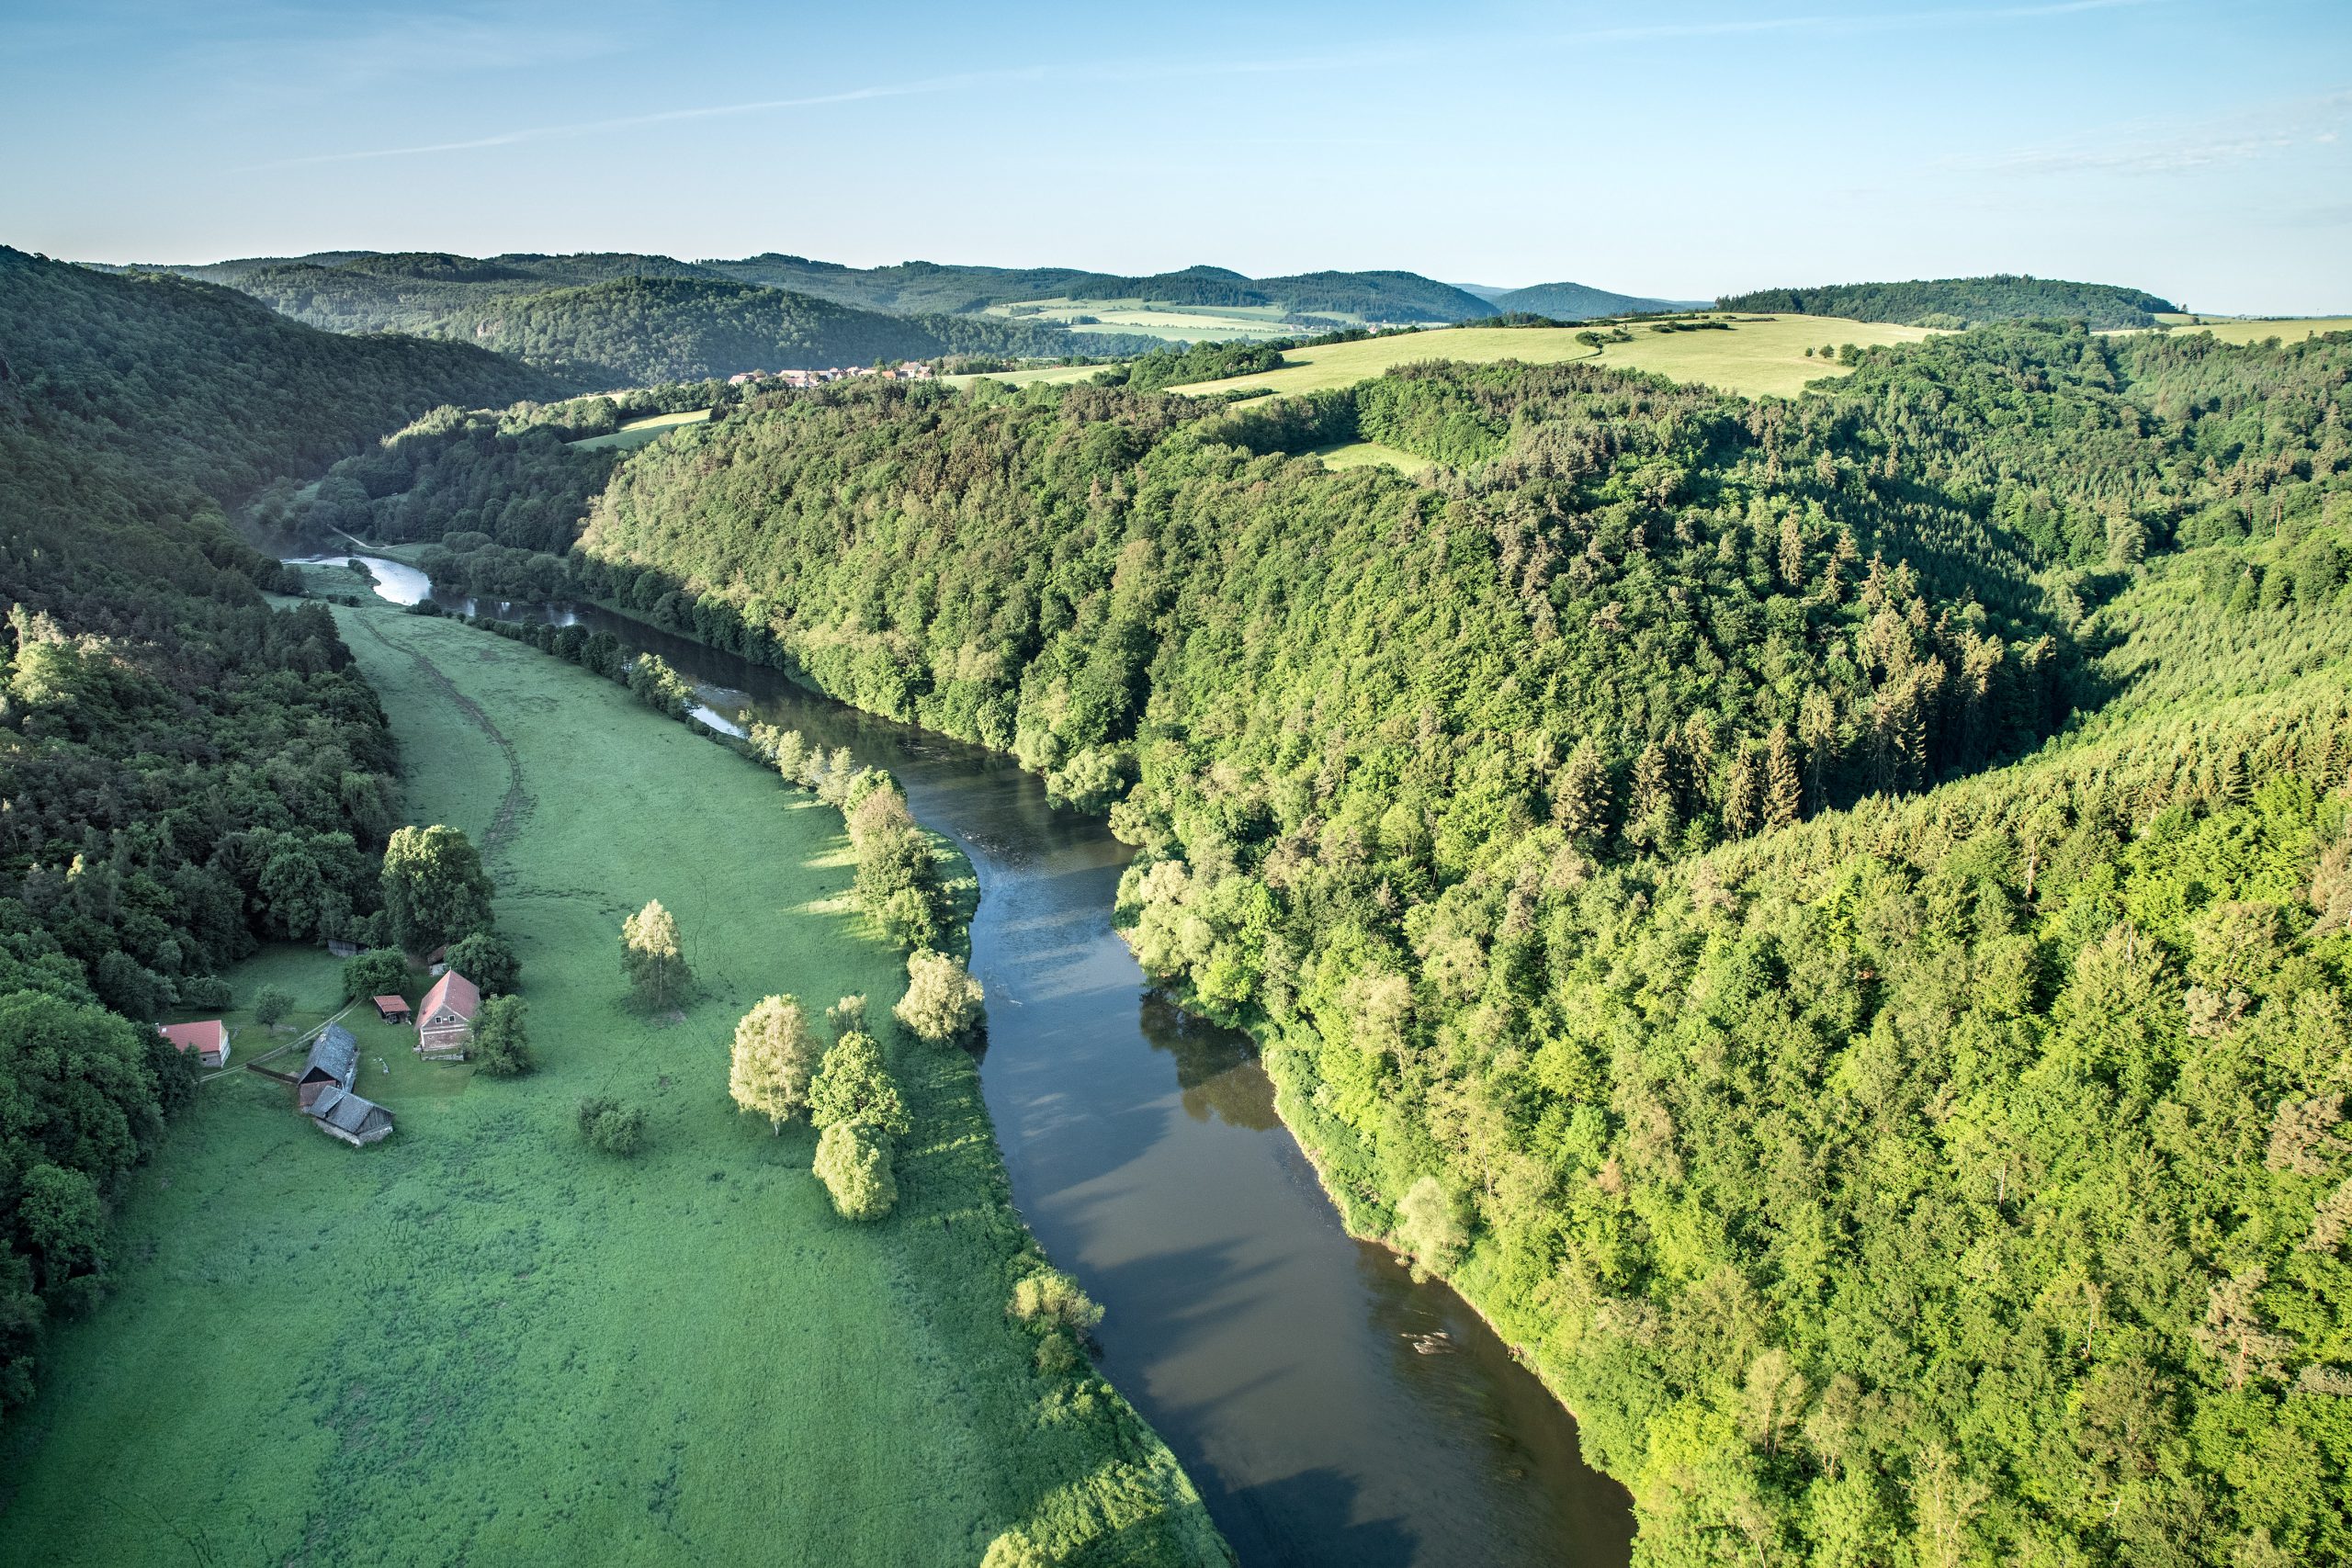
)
(324, 1090)
(444, 1019)
(209, 1040)
(391, 1009)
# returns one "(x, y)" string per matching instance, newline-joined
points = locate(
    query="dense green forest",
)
(184, 770)
(608, 321)
(1575, 301)
(1955, 302)
(1829, 918)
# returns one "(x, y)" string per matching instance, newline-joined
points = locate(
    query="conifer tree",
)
(1783, 787)
(1581, 795)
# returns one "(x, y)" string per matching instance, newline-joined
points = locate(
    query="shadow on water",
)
(1332, 1410)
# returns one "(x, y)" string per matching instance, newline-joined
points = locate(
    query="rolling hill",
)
(1962, 302)
(1576, 302)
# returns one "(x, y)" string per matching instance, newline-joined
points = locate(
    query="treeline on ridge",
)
(1955, 302)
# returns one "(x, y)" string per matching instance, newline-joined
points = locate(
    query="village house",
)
(209, 1040)
(444, 1019)
(324, 1093)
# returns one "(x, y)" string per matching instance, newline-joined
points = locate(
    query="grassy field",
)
(1053, 373)
(1174, 323)
(1756, 357)
(638, 432)
(479, 1341)
(2293, 330)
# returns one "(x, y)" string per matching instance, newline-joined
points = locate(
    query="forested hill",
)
(185, 770)
(600, 321)
(1829, 918)
(633, 331)
(929, 286)
(1955, 302)
(1576, 302)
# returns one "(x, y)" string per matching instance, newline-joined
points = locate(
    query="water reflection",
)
(1332, 1410)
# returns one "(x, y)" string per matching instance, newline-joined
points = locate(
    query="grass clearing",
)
(1757, 356)
(1371, 454)
(479, 1340)
(1144, 318)
(638, 432)
(1044, 373)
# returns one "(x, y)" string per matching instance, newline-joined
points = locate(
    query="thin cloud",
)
(665, 116)
(2156, 148)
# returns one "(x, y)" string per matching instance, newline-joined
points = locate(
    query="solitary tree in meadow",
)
(775, 1057)
(651, 954)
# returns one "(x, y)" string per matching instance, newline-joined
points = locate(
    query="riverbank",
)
(480, 1340)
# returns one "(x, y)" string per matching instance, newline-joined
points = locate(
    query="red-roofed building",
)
(391, 1009)
(209, 1040)
(444, 1019)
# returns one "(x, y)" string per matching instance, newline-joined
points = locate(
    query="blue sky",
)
(1680, 148)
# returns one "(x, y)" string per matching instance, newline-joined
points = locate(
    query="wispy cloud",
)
(2159, 147)
(664, 117)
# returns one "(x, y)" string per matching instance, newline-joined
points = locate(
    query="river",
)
(1331, 1410)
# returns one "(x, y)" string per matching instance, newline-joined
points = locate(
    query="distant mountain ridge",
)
(1955, 302)
(1577, 301)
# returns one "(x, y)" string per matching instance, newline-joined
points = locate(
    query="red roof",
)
(206, 1036)
(454, 991)
(390, 1004)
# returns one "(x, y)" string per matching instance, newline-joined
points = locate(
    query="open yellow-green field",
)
(638, 432)
(1186, 324)
(2255, 330)
(1758, 356)
(1055, 373)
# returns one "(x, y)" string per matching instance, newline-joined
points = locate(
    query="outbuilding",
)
(391, 1009)
(444, 1019)
(324, 1090)
(209, 1040)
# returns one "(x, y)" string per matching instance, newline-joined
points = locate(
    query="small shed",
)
(391, 1009)
(358, 1122)
(343, 949)
(209, 1040)
(444, 1019)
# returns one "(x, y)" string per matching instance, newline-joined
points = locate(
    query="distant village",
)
(912, 371)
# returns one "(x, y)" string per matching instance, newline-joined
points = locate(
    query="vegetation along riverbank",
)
(395, 1341)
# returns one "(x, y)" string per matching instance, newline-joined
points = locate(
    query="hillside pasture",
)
(480, 1340)
(2247, 330)
(1756, 357)
(1176, 323)
(638, 432)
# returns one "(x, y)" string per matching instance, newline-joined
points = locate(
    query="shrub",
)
(943, 1003)
(853, 1162)
(378, 972)
(207, 991)
(1052, 1300)
(272, 1003)
(609, 1125)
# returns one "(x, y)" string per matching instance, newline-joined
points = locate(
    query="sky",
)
(1679, 147)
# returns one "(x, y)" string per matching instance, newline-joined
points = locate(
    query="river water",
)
(1331, 1410)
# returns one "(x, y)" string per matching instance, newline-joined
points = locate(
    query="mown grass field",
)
(1173, 323)
(638, 432)
(481, 1342)
(1371, 454)
(1048, 373)
(2250, 331)
(1757, 356)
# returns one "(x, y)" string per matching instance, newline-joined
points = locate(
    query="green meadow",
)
(1758, 356)
(479, 1341)
(2245, 330)
(1188, 323)
(638, 432)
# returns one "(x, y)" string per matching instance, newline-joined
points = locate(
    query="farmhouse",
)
(209, 1040)
(444, 1019)
(324, 1090)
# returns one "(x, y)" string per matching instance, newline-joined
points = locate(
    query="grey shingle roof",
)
(336, 1053)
